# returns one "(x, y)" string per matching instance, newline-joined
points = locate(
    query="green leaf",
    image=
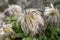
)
(28, 38)
(17, 35)
(13, 18)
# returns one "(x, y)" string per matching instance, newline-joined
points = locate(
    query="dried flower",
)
(30, 21)
(13, 10)
(52, 15)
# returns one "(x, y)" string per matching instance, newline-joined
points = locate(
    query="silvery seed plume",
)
(30, 21)
(52, 15)
(13, 10)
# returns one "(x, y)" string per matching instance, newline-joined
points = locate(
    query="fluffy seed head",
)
(52, 15)
(30, 21)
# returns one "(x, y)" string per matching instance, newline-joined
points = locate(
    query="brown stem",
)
(10, 38)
